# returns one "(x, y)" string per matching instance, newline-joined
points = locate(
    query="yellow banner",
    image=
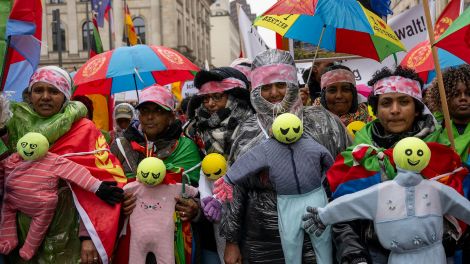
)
(279, 24)
(382, 29)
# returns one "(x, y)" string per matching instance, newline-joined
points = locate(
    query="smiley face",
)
(214, 166)
(32, 146)
(287, 128)
(411, 154)
(354, 127)
(151, 171)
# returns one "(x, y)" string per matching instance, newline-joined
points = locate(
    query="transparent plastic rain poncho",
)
(255, 201)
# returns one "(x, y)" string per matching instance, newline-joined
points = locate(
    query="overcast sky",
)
(258, 7)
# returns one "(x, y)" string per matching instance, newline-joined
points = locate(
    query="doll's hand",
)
(222, 190)
(312, 223)
(212, 209)
(109, 193)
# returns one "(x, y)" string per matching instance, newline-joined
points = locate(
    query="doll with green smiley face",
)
(296, 165)
(31, 177)
(407, 211)
(152, 221)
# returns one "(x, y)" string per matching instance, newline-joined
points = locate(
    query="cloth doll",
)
(30, 179)
(407, 211)
(152, 221)
(213, 166)
(296, 165)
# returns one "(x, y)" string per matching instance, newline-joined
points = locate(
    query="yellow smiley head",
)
(32, 146)
(151, 171)
(287, 128)
(411, 154)
(355, 126)
(214, 166)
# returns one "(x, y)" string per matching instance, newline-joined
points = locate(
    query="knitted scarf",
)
(217, 128)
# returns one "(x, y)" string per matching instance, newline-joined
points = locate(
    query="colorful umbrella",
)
(420, 59)
(456, 39)
(337, 25)
(132, 68)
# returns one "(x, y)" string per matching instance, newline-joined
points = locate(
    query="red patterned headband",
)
(272, 74)
(398, 84)
(336, 76)
(222, 86)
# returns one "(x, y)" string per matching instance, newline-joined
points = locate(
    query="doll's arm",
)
(359, 205)
(250, 163)
(454, 203)
(73, 172)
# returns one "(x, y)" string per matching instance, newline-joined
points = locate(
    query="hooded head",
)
(274, 67)
(54, 76)
(243, 65)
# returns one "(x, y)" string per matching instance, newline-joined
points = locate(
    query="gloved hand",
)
(223, 190)
(212, 208)
(312, 223)
(109, 193)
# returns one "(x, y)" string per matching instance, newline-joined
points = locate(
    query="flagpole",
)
(440, 81)
(126, 30)
(88, 40)
(242, 44)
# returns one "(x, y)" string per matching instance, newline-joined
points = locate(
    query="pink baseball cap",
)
(159, 95)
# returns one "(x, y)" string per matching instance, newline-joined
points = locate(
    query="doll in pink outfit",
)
(152, 222)
(29, 180)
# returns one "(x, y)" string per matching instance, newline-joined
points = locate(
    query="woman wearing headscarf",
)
(64, 123)
(250, 225)
(221, 105)
(339, 95)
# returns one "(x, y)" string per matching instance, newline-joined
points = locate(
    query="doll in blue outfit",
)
(296, 165)
(407, 211)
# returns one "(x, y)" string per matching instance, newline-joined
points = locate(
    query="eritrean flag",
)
(100, 219)
(23, 47)
(363, 166)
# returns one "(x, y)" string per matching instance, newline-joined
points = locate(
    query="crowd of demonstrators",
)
(232, 114)
(274, 91)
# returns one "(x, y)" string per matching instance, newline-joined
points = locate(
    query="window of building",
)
(85, 31)
(180, 33)
(139, 25)
(54, 37)
(56, 1)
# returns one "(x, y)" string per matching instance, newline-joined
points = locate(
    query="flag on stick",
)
(129, 27)
(23, 35)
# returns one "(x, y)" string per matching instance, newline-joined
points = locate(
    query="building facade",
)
(179, 24)
(225, 40)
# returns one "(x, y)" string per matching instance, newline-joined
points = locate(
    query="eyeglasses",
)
(217, 97)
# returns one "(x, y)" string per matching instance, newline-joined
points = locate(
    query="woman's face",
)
(396, 112)
(274, 92)
(459, 105)
(339, 98)
(154, 120)
(46, 99)
(215, 101)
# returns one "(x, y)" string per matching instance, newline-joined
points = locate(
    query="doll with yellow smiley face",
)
(31, 176)
(152, 221)
(296, 164)
(407, 211)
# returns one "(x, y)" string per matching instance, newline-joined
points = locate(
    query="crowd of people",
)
(231, 114)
